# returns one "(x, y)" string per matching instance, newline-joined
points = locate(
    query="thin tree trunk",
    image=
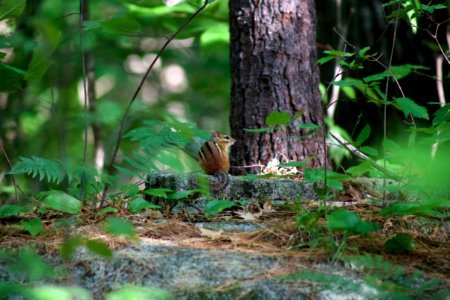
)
(273, 68)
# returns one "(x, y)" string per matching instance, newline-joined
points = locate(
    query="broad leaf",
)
(10, 210)
(218, 33)
(363, 135)
(258, 130)
(118, 226)
(33, 226)
(139, 292)
(138, 204)
(342, 220)
(408, 106)
(278, 118)
(215, 206)
(11, 8)
(401, 243)
(99, 248)
(121, 25)
(61, 201)
(360, 169)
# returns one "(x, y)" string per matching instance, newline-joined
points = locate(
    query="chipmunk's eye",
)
(226, 137)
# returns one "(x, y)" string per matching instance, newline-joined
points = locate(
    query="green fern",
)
(53, 171)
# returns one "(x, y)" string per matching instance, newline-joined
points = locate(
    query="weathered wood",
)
(258, 189)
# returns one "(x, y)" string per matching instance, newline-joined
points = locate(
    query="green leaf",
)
(369, 151)
(258, 130)
(308, 125)
(34, 226)
(299, 164)
(342, 220)
(138, 204)
(45, 168)
(442, 115)
(46, 292)
(61, 201)
(400, 244)
(11, 79)
(349, 221)
(138, 292)
(349, 83)
(121, 25)
(375, 77)
(325, 59)
(99, 248)
(48, 40)
(10, 210)
(333, 179)
(118, 226)
(360, 169)
(363, 135)
(11, 8)
(408, 106)
(364, 227)
(218, 33)
(215, 206)
(424, 206)
(278, 118)
(181, 194)
(107, 210)
(69, 246)
(157, 192)
(306, 220)
(32, 265)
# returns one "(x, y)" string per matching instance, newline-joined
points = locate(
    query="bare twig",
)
(394, 39)
(84, 15)
(136, 93)
(352, 149)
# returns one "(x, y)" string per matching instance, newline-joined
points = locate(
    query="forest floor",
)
(270, 231)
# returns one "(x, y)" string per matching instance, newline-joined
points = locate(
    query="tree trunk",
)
(273, 68)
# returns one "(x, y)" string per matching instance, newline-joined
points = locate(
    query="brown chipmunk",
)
(214, 158)
(214, 154)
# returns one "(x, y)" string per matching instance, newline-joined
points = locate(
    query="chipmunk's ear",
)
(215, 133)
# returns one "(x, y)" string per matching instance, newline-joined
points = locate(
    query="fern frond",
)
(53, 171)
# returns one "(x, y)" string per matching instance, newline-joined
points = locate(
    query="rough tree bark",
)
(273, 68)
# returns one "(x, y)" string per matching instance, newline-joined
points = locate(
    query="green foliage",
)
(11, 8)
(138, 204)
(215, 206)
(334, 180)
(408, 106)
(349, 222)
(33, 226)
(61, 201)
(118, 226)
(137, 292)
(420, 207)
(9, 210)
(47, 292)
(51, 170)
(278, 118)
(99, 248)
(401, 243)
(394, 282)
(27, 263)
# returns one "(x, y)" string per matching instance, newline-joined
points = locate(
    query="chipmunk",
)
(214, 158)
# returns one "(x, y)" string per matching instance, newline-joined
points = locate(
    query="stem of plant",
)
(136, 93)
